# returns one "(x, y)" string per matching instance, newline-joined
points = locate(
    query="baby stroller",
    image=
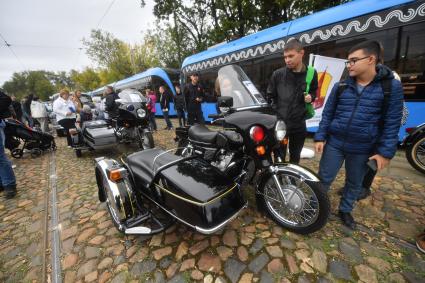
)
(35, 141)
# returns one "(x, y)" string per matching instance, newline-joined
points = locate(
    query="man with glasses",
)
(354, 128)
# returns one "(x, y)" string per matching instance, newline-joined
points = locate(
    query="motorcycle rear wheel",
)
(308, 206)
(415, 153)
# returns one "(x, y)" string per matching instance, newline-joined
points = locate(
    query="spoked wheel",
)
(301, 206)
(415, 154)
(17, 153)
(146, 139)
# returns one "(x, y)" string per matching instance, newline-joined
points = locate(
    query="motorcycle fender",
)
(120, 193)
(291, 169)
(413, 135)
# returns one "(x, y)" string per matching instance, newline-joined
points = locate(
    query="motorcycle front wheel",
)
(415, 153)
(304, 207)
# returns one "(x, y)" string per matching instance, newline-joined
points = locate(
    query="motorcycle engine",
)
(222, 160)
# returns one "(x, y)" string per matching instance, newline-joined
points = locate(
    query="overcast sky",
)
(46, 34)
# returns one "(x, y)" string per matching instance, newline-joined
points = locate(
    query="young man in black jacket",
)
(7, 177)
(287, 91)
(194, 95)
(164, 101)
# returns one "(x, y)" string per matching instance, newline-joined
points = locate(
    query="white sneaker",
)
(13, 166)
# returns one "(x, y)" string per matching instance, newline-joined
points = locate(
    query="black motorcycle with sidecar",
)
(130, 124)
(201, 184)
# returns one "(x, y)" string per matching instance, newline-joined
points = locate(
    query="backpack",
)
(309, 106)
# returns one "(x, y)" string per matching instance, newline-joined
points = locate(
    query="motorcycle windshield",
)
(131, 95)
(233, 82)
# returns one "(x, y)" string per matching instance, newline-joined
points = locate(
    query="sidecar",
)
(152, 188)
(93, 135)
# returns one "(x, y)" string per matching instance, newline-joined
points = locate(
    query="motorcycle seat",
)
(143, 165)
(200, 133)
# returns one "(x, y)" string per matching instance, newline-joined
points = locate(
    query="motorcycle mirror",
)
(225, 101)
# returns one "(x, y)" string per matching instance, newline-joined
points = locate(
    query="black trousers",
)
(296, 143)
(195, 116)
(67, 124)
(181, 116)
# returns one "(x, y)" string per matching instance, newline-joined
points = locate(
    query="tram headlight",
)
(141, 113)
(280, 130)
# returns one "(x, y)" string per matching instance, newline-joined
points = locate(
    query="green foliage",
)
(186, 27)
(41, 83)
(86, 80)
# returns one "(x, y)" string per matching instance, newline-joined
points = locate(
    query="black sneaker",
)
(10, 192)
(347, 219)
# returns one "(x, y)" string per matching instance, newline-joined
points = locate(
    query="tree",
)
(116, 58)
(86, 80)
(36, 82)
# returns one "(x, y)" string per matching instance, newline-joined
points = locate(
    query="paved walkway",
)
(250, 249)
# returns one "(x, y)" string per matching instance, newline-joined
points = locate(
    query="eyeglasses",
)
(353, 61)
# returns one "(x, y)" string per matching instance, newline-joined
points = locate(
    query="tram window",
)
(412, 62)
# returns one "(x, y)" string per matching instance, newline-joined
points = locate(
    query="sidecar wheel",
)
(306, 212)
(146, 141)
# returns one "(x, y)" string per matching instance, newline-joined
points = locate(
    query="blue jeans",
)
(7, 177)
(355, 168)
(167, 119)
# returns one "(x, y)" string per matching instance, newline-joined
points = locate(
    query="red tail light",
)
(257, 134)
(409, 130)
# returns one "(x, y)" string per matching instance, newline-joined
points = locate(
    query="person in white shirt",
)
(39, 112)
(65, 113)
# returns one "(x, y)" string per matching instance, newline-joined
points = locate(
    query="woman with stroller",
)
(65, 113)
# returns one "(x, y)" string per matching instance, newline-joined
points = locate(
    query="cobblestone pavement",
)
(250, 249)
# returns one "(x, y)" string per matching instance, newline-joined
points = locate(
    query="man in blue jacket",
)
(355, 128)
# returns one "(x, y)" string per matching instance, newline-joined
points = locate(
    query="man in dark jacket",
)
(110, 105)
(180, 106)
(7, 177)
(287, 91)
(194, 95)
(164, 102)
(354, 129)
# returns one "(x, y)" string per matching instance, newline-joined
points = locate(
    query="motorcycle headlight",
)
(141, 113)
(280, 130)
